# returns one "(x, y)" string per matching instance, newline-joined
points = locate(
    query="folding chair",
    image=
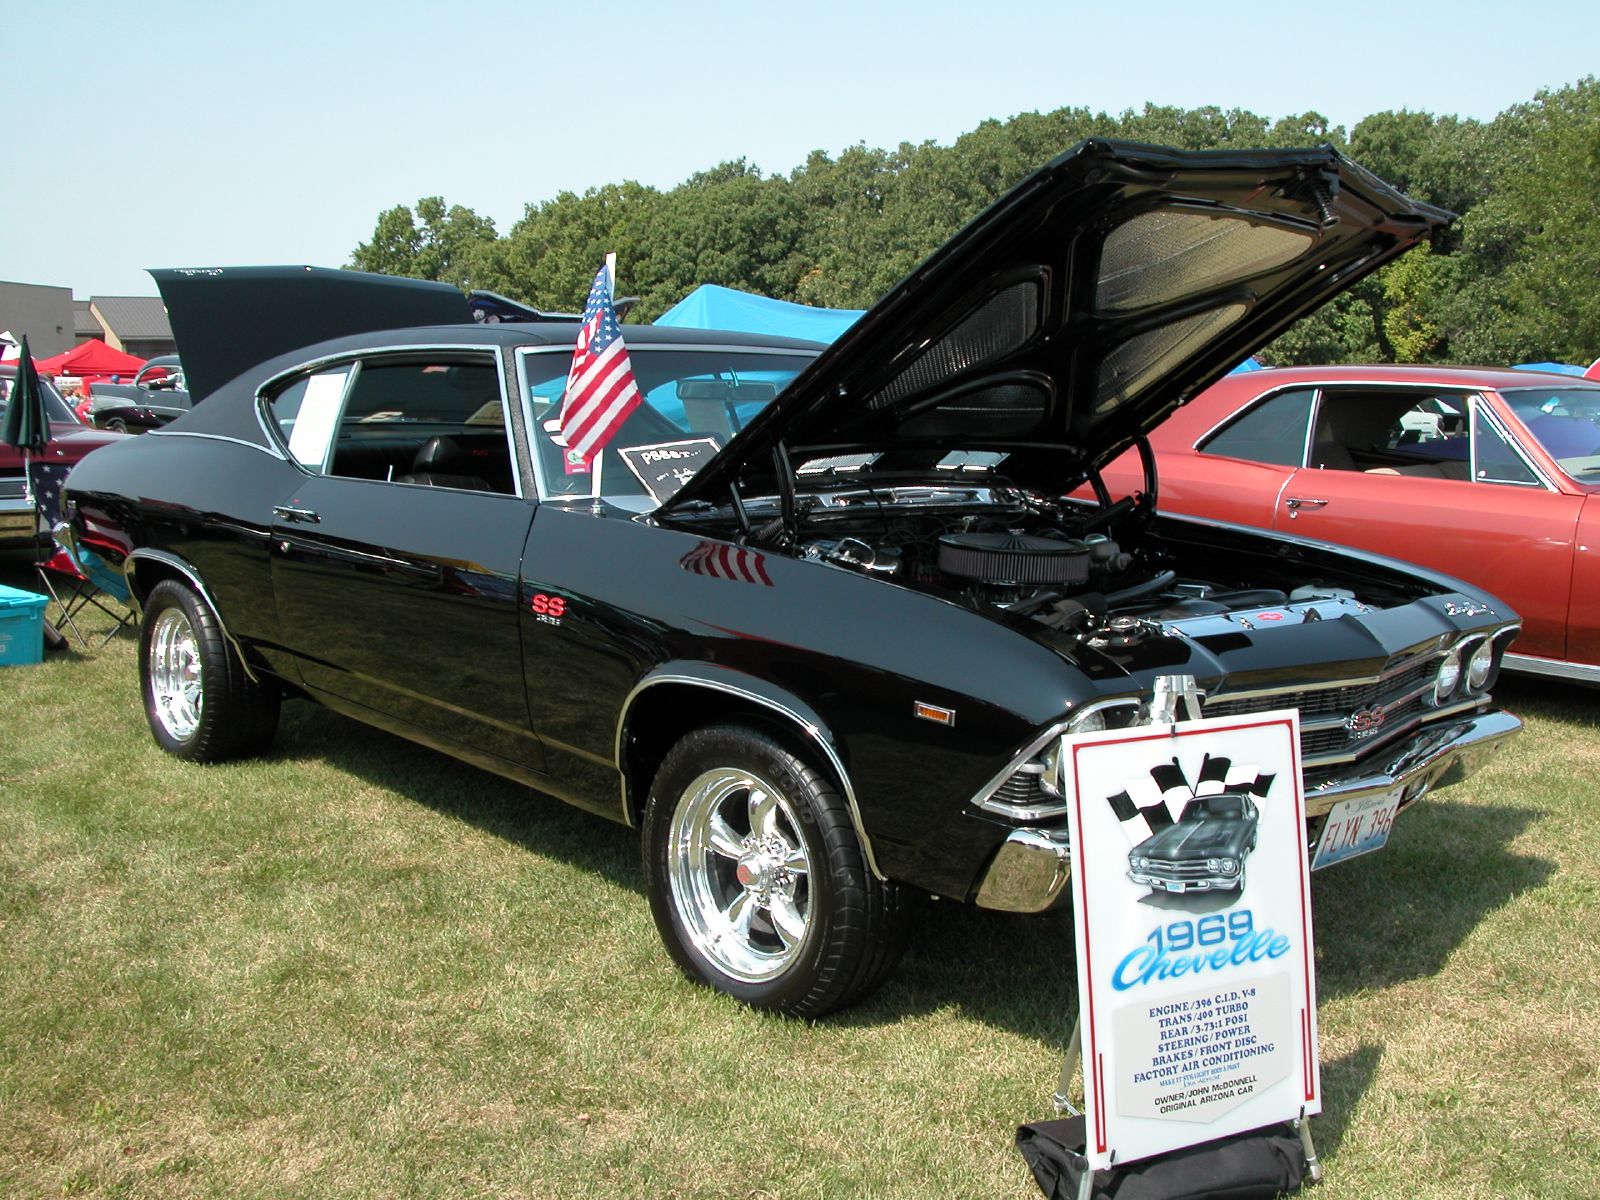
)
(81, 580)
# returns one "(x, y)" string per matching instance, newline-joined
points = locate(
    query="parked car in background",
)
(70, 440)
(1488, 475)
(819, 620)
(156, 396)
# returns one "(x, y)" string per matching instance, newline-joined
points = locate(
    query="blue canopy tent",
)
(1553, 368)
(711, 306)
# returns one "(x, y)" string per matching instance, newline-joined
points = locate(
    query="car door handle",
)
(296, 516)
(1295, 503)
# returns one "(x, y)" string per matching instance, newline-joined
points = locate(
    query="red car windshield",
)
(54, 406)
(1566, 421)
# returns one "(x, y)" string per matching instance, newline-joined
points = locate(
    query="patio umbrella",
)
(26, 425)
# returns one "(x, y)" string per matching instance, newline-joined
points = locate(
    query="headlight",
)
(1141, 863)
(1229, 866)
(1090, 722)
(1449, 675)
(1478, 666)
(1213, 865)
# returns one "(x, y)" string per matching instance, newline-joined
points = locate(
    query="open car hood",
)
(1076, 312)
(229, 319)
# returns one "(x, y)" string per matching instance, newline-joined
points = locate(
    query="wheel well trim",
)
(166, 559)
(793, 711)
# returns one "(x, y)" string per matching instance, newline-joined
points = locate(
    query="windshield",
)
(54, 406)
(694, 402)
(1566, 421)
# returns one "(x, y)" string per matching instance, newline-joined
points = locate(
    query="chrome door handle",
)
(1295, 503)
(296, 515)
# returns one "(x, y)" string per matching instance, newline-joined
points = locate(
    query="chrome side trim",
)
(1554, 668)
(193, 576)
(269, 451)
(810, 727)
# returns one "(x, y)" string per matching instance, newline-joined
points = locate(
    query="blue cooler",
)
(21, 627)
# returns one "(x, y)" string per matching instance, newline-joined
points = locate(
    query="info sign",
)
(1192, 901)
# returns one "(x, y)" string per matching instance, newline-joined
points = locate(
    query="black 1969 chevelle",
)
(1204, 850)
(827, 663)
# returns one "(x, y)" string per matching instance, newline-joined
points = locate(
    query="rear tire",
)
(200, 703)
(117, 425)
(757, 880)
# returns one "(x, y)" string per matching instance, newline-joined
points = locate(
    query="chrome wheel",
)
(740, 874)
(175, 675)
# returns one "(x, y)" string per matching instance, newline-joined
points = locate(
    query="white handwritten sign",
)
(666, 467)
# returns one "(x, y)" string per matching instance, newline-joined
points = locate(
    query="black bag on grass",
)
(1264, 1163)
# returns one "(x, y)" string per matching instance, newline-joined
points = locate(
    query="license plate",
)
(1174, 887)
(1356, 827)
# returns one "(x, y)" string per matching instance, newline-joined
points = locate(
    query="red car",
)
(70, 440)
(1488, 475)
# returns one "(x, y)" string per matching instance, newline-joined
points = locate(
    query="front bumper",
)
(1030, 870)
(1165, 883)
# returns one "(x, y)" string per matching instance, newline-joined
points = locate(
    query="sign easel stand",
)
(1062, 1102)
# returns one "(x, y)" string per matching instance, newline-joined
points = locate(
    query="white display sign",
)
(317, 419)
(1192, 910)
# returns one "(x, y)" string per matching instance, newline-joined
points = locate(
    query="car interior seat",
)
(444, 462)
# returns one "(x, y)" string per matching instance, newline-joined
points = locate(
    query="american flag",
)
(47, 481)
(721, 561)
(601, 391)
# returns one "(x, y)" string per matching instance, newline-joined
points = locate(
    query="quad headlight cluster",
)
(1467, 667)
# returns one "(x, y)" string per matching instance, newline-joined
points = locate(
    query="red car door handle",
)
(1296, 503)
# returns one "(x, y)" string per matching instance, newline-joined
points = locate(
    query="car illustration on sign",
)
(1203, 851)
(832, 671)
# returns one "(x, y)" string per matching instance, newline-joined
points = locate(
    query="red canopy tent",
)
(93, 360)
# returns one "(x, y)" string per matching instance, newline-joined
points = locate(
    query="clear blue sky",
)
(178, 133)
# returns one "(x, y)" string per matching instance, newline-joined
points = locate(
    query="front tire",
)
(757, 880)
(200, 703)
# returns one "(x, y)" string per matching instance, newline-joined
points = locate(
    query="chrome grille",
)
(12, 487)
(1022, 788)
(1398, 682)
(1177, 870)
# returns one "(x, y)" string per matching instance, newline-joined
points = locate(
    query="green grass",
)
(357, 968)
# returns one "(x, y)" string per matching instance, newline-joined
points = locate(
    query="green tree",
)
(448, 244)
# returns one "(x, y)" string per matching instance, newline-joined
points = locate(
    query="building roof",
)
(133, 316)
(83, 323)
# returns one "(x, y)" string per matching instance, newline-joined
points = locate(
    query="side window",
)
(306, 413)
(1274, 431)
(1493, 458)
(432, 421)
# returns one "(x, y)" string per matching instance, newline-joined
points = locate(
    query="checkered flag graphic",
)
(1152, 802)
